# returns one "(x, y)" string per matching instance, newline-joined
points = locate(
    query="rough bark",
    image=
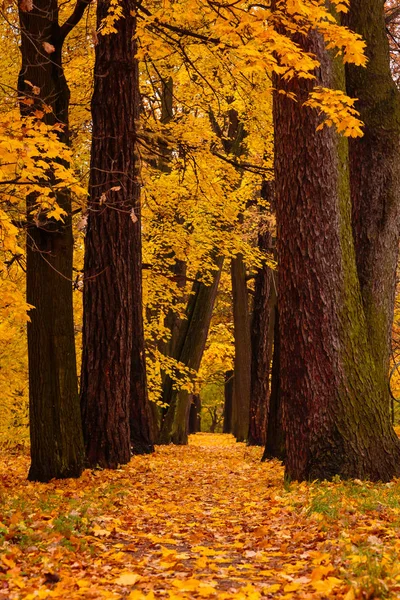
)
(242, 362)
(115, 409)
(228, 404)
(334, 416)
(262, 337)
(192, 343)
(375, 176)
(55, 427)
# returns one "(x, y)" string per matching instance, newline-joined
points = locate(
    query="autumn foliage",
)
(176, 159)
(219, 60)
(224, 527)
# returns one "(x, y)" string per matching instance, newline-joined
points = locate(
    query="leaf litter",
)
(207, 520)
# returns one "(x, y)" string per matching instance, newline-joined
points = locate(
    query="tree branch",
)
(74, 19)
(180, 30)
(245, 166)
(392, 15)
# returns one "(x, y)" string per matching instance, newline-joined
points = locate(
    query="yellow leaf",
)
(8, 562)
(350, 595)
(127, 578)
(320, 572)
(56, 213)
(275, 587)
(326, 586)
(139, 595)
(292, 587)
(100, 532)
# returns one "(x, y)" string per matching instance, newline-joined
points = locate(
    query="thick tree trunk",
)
(190, 349)
(242, 363)
(335, 419)
(228, 404)
(262, 337)
(375, 176)
(55, 425)
(114, 403)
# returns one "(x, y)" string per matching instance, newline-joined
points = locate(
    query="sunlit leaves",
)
(338, 110)
(220, 58)
(114, 13)
(30, 155)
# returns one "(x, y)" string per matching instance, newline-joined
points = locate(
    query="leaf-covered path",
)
(203, 521)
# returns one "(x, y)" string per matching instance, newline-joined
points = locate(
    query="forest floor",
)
(208, 520)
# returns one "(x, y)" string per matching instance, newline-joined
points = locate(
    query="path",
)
(208, 520)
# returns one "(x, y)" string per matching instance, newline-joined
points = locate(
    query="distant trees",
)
(192, 337)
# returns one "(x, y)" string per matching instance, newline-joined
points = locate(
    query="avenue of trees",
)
(240, 228)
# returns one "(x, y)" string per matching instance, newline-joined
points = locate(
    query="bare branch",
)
(73, 19)
(180, 30)
(392, 15)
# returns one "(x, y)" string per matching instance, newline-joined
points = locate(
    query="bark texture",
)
(335, 420)
(375, 176)
(275, 442)
(262, 337)
(242, 362)
(115, 409)
(55, 426)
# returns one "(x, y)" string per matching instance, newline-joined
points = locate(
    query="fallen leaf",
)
(127, 579)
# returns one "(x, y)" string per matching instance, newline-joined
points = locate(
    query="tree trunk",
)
(193, 335)
(275, 442)
(262, 336)
(228, 404)
(214, 420)
(172, 320)
(175, 346)
(375, 177)
(335, 418)
(194, 416)
(242, 363)
(155, 420)
(114, 402)
(55, 425)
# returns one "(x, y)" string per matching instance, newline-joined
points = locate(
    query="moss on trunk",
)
(334, 416)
